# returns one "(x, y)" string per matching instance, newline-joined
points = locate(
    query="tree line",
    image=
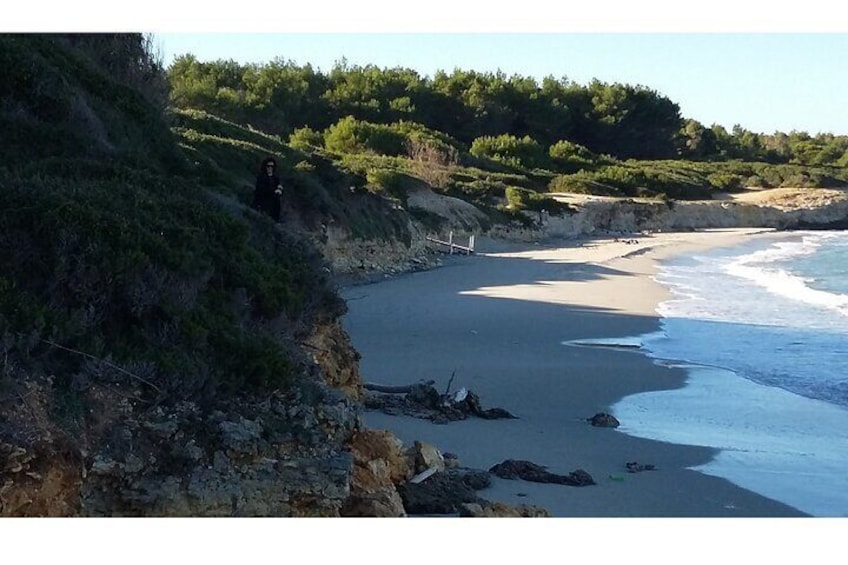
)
(482, 109)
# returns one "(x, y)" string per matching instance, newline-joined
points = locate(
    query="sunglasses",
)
(270, 166)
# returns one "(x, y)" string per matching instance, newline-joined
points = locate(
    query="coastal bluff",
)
(588, 216)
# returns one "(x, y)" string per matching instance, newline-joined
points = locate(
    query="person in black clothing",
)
(266, 196)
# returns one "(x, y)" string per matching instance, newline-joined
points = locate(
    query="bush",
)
(306, 139)
(580, 184)
(571, 157)
(350, 135)
(520, 199)
(385, 182)
(510, 150)
(726, 182)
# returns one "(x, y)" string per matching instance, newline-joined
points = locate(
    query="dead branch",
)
(450, 381)
(112, 365)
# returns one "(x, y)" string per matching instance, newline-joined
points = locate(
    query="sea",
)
(762, 331)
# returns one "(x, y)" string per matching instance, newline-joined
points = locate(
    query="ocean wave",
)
(788, 285)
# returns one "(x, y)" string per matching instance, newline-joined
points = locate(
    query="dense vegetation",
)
(120, 265)
(556, 135)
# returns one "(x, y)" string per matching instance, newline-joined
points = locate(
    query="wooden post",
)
(471, 244)
(450, 242)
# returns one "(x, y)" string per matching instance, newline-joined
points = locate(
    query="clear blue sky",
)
(768, 66)
(765, 82)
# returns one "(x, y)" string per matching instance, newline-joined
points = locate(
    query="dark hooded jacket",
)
(265, 199)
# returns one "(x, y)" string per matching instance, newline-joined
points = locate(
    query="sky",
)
(776, 66)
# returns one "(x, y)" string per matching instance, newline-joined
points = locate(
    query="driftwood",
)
(422, 400)
(389, 389)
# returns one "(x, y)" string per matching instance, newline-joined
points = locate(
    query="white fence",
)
(467, 249)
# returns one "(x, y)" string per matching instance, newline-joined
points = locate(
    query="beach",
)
(499, 322)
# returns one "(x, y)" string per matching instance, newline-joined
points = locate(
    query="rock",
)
(379, 463)
(426, 456)
(486, 509)
(239, 435)
(604, 420)
(451, 460)
(382, 445)
(636, 467)
(382, 504)
(339, 361)
(444, 492)
(528, 471)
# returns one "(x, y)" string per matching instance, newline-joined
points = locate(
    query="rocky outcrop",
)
(332, 351)
(41, 469)
(776, 208)
(283, 455)
(349, 255)
(380, 463)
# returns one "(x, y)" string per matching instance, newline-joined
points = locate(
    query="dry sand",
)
(498, 320)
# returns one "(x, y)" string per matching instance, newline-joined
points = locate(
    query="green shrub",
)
(520, 199)
(726, 182)
(385, 181)
(306, 139)
(522, 152)
(571, 157)
(580, 184)
(350, 135)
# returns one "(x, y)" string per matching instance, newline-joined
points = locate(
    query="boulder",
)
(604, 420)
(444, 492)
(379, 463)
(425, 456)
(528, 471)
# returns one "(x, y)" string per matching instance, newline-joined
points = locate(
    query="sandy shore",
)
(498, 320)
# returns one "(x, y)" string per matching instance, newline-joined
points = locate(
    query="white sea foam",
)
(763, 332)
(754, 267)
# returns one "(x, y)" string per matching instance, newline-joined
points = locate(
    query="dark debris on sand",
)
(422, 400)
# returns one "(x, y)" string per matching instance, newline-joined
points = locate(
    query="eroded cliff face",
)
(776, 208)
(351, 256)
(339, 361)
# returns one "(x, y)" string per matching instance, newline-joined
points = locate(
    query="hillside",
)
(159, 337)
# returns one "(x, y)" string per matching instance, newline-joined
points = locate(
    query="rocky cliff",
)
(781, 208)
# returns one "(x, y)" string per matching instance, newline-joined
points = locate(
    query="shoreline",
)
(499, 320)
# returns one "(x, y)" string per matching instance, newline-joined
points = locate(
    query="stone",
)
(528, 471)
(379, 463)
(451, 460)
(486, 509)
(426, 456)
(604, 420)
(443, 493)
(636, 467)
(381, 445)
